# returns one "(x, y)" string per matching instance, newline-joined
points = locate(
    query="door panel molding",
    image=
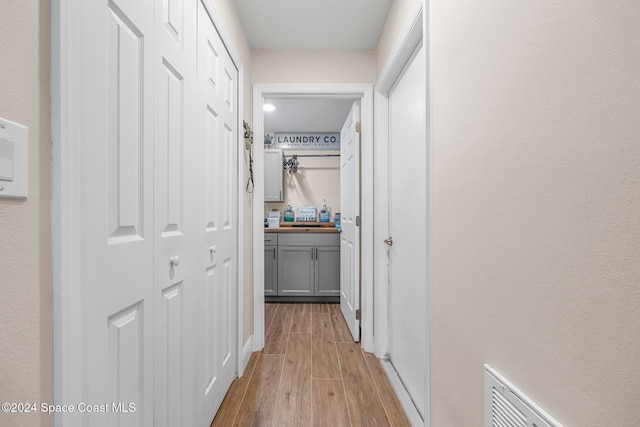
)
(133, 225)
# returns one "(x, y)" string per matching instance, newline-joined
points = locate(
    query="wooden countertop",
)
(317, 227)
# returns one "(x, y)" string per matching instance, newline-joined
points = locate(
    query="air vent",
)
(506, 406)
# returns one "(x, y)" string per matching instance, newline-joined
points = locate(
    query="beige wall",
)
(535, 206)
(274, 66)
(26, 363)
(318, 178)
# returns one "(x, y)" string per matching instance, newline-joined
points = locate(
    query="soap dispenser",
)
(289, 216)
(324, 213)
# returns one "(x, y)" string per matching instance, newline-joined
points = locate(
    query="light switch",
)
(14, 163)
(7, 152)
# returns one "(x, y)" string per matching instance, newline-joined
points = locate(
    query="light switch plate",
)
(14, 160)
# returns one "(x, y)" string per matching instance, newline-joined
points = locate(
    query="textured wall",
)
(536, 206)
(25, 226)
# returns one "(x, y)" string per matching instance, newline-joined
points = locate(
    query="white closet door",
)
(407, 225)
(157, 210)
(177, 174)
(115, 132)
(350, 206)
(218, 129)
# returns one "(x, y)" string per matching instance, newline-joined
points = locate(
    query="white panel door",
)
(217, 86)
(407, 224)
(350, 206)
(116, 209)
(177, 172)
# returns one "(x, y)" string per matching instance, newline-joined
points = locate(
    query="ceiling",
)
(313, 24)
(306, 114)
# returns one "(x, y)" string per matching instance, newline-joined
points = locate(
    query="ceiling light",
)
(269, 107)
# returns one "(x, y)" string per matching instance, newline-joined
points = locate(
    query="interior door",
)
(115, 131)
(217, 329)
(350, 206)
(408, 228)
(177, 171)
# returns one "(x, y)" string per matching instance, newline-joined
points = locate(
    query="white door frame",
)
(415, 28)
(364, 92)
(66, 235)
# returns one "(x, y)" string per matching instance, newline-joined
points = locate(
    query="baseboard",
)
(409, 408)
(247, 350)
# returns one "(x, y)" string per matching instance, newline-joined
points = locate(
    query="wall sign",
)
(307, 140)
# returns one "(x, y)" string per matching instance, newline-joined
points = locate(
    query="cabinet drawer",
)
(309, 239)
(270, 239)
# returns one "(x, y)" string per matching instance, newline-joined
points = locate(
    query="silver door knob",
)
(175, 261)
(389, 241)
(212, 249)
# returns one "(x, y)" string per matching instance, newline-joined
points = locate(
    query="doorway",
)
(364, 93)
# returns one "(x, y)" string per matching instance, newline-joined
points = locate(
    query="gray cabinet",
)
(327, 271)
(273, 176)
(296, 270)
(270, 264)
(309, 264)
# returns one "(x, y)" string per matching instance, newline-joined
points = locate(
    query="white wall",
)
(26, 363)
(536, 206)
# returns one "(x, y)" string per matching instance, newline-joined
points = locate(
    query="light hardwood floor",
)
(310, 373)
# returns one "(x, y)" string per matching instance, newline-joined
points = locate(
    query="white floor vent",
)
(506, 406)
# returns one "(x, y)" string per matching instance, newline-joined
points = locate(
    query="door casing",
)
(363, 92)
(415, 27)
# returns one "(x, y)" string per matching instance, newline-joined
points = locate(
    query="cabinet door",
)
(327, 271)
(273, 176)
(270, 270)
(296, 270)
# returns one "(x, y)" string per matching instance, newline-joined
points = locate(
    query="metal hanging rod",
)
(312, 155)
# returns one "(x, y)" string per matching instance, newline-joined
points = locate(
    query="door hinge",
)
(358, 126)
(358, 221)
(358, 314)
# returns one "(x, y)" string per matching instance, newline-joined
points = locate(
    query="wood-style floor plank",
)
(329, 403)
(340, 328)
(365, 407)
(275, 341)
(259, 405)
(314, 381)
(320, 307)
(294, 393)
(324, 357)
(390, 401)
(270, 309)
(301, 317)
(229, 407)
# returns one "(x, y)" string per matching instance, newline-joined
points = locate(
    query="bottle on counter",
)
(324, 213)
(289, 215)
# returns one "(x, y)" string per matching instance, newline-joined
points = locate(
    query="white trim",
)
(409, 36)
(356, 91)
(403, 395)
(240, 221)
(247, 351)
(415, 27)
(65, 212)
